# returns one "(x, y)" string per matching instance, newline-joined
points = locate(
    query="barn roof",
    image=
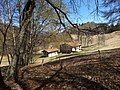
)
(74, 43)
(49, 50)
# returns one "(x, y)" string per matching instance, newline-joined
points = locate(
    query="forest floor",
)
(94, 71)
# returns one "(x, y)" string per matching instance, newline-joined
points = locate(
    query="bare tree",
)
(113, 12)
(7, 17)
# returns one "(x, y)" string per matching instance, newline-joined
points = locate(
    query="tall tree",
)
(31, 22)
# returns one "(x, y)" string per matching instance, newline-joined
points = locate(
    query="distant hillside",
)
(109, 40)
(95, 28)
(88, 25)
(112, 40)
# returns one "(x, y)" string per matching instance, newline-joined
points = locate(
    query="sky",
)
(85, 12)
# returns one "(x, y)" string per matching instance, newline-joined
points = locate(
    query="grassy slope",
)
(4, 61)
(112, 40)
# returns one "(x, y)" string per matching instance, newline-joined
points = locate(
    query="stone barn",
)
(65, 48)
(70, 47)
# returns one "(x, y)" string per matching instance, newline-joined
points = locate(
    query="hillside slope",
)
(112, 40)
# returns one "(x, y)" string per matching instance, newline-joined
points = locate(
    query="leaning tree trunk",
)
(22, 51)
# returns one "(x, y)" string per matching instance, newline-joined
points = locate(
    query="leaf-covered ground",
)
(97, 71)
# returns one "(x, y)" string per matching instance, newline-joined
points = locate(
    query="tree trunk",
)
(22, 50)
(3, 86)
